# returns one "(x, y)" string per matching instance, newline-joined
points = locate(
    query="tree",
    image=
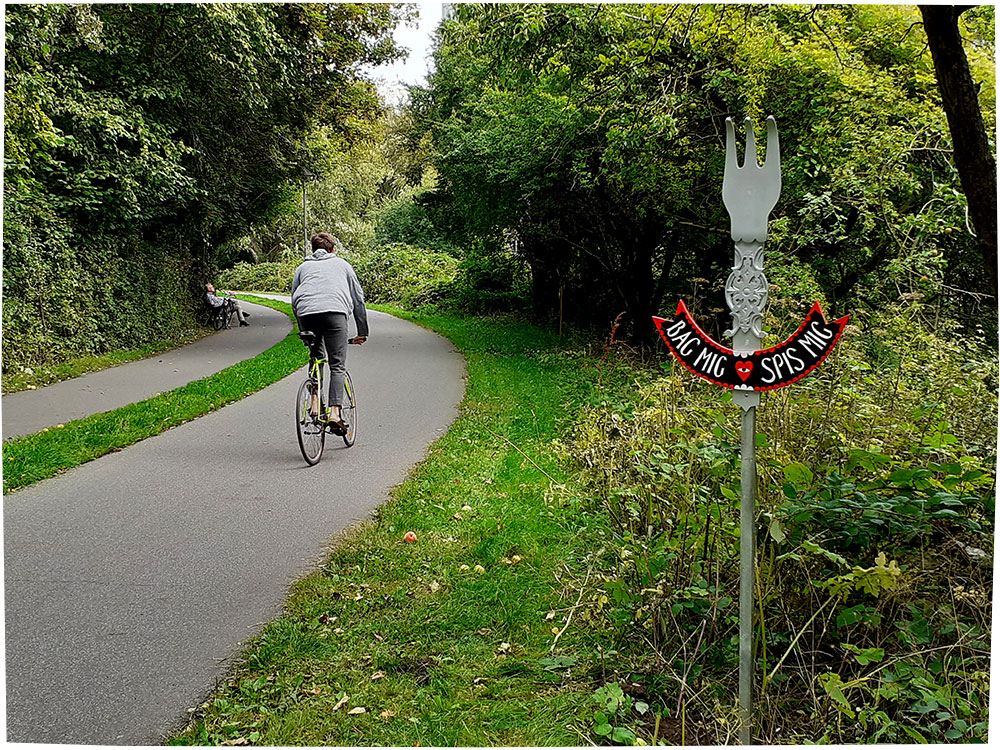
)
(596, 134)
(141, 138)
(959, 97)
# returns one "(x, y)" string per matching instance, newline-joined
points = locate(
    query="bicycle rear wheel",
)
(309, 429)
(349, 411)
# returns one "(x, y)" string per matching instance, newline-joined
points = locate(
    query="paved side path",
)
(26, 412)
(130, 581)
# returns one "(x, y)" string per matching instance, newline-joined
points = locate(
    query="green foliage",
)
(595, 134)
(407, 220)
(397, 274)
(141, 139)
(63, 301)
(404, 275)
(362, 189)
(613, 708)
(875, 537)
(275, 278)
(490, 279)
(896, 509)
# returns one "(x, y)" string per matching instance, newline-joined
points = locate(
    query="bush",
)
(404, 275)
(275, 278)
(395, 274)
(491, 279)
(65, 298)
(404, 221)
(875, 535)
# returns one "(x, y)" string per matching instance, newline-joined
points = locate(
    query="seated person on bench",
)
(217, 301)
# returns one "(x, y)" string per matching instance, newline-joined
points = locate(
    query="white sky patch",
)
(392, 79)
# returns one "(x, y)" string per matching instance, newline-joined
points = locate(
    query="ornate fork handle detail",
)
(749, 193)
(746, 292)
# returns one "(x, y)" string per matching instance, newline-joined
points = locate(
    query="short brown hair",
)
(323, 241)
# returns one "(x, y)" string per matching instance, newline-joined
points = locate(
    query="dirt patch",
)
(420, 668)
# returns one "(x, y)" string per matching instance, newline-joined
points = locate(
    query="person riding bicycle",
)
(325, 290)
(227, 300)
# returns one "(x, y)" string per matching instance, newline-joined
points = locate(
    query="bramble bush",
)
(876, 485)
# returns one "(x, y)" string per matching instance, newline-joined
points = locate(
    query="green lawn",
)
(472, 635)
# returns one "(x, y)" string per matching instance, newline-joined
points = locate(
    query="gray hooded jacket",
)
(326, 283)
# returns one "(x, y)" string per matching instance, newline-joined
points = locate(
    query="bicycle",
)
(311, 419)
(217, 317)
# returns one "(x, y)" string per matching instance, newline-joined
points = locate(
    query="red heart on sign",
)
(743, 369)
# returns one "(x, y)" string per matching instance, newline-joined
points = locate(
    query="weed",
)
(874, 539)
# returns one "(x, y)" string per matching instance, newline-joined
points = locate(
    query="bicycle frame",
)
(316, 374)
(312, 407)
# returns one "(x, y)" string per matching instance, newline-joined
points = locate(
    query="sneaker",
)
(243, 323)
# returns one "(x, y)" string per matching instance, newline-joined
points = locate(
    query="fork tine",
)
(750, 156)
(731, 162)
(772, 159)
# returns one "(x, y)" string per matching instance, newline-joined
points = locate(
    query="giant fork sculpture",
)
(749, 193)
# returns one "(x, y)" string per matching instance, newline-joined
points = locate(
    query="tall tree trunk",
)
(975, 162)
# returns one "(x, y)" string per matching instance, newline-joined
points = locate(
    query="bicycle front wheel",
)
(309, 429)
(349, 411)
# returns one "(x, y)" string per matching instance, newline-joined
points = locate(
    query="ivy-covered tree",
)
(140, 138)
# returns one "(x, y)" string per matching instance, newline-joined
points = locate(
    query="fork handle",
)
(746, 295)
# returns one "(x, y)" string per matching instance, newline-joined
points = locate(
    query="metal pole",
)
(748, 480)
(747, 282)
(305, 232)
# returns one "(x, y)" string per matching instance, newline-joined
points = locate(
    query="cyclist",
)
(325, 290)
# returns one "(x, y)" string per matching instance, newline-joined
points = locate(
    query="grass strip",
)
(478, 633)
(30, 378)
(41, 375)
(31, 458)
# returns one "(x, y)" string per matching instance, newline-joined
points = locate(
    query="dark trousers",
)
(331, 338)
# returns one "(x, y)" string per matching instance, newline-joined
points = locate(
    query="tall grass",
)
(874, 537)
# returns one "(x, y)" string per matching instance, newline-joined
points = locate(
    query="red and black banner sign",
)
(762, 370)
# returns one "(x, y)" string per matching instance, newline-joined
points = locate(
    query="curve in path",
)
(27, 412)
(131, 581)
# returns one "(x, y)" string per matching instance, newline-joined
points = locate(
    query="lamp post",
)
(305, 175)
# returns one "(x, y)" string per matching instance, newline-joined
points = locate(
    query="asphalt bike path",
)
(131, 581)
(27, 412)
